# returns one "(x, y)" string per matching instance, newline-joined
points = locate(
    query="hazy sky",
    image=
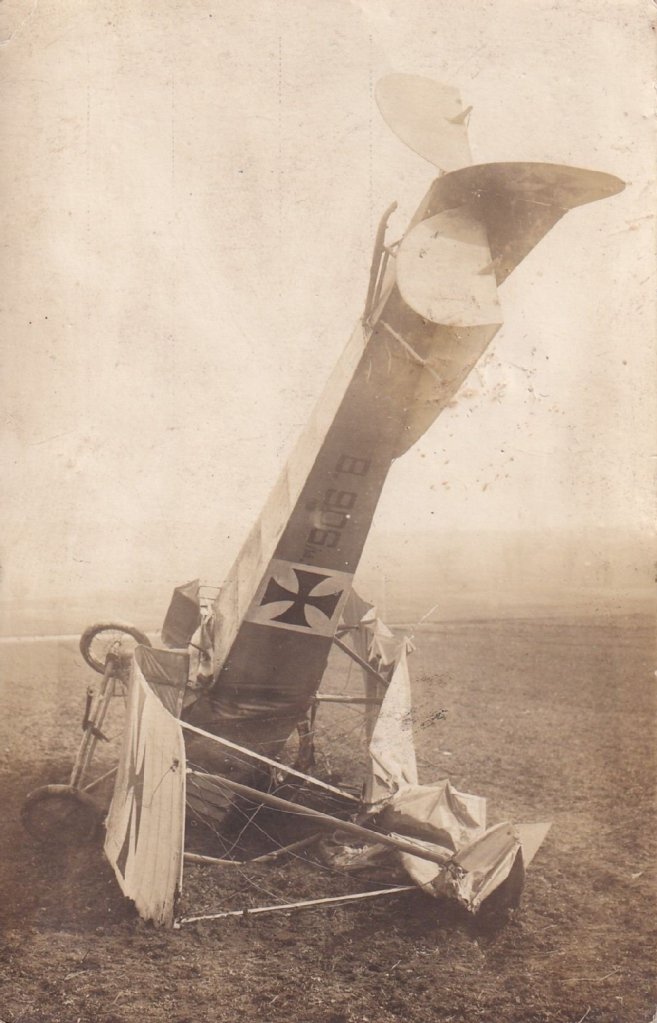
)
(190, 194)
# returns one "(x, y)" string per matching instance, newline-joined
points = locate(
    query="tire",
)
(60, 815)
(95, 647)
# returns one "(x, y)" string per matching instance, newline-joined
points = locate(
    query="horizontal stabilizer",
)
(428, 117)
(518, 203)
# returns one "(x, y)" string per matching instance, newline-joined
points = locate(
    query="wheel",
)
(60, 815)
(105, 638)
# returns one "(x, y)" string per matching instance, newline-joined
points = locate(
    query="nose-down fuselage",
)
(434, 313)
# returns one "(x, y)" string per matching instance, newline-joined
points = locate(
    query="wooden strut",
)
(268, 760)
(378, 253)
(410, 351)
(101, 778)
(361, 662)
(341, 698)
(334, 899)
(92, 725)
(364, 834)
(303, 843)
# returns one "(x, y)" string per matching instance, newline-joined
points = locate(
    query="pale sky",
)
(191, 191)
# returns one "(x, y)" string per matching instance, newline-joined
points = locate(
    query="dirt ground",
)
(549, 718)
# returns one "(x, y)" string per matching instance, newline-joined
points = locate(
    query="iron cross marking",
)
(134, 791)
(295, 614)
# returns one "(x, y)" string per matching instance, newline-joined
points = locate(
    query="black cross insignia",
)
(134, 790)
(295, 614)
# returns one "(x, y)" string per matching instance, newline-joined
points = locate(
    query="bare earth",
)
(551, 719)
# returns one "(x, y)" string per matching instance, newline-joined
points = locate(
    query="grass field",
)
(552, 718)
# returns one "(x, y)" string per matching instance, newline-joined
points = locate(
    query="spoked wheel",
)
(110, 638)
(60, 815)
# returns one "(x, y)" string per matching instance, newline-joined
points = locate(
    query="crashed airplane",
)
(240, 673)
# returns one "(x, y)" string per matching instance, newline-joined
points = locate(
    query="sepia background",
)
(190, 192)
(190, 195)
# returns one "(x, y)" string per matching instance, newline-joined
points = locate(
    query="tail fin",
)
(428, 117)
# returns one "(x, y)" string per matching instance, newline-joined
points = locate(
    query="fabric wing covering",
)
(145, 825)
(436, 816)
(392, 752)
(166, 672)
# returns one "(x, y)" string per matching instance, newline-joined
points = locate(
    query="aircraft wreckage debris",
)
(209, 712)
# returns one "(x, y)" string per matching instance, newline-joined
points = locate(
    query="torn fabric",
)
(392, 752)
